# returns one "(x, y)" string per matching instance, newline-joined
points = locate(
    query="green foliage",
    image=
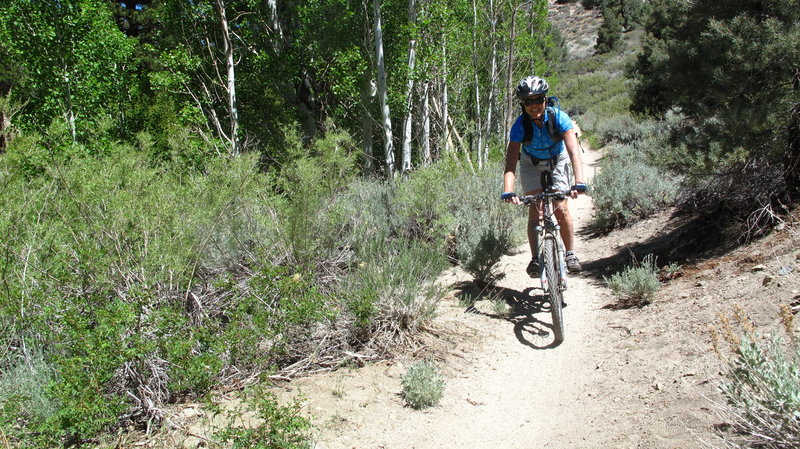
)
(701, 58)
(24, 397)
(763, 392)
(423, 386)
(636, 284)
(422, 211)
(277, 308)
(309, 182)
(73, 59)
(99, 254)
(608, 36)
(484, 230)
(628, 188)
(276, 427)
(398, 277)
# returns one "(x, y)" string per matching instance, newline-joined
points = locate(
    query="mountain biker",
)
(536, 156)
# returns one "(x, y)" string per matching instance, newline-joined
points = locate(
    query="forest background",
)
(200, 194)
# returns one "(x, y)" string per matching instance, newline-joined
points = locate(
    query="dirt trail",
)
(507, 388)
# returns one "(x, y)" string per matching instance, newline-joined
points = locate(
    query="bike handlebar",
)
(555, 194)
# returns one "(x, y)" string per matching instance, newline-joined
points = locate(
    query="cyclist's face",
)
(534, 106)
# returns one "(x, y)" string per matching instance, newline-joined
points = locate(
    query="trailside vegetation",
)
(737, 140)
(205, 193)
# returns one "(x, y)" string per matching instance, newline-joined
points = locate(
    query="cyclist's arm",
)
(509, 175)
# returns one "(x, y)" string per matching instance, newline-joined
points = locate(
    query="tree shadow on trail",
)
(529, 312)
(684, 239)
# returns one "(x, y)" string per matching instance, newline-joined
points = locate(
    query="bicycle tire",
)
(556, 299)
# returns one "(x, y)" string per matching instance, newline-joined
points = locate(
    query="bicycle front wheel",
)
(556, 299)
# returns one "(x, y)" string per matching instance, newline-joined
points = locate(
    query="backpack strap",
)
(551, 125)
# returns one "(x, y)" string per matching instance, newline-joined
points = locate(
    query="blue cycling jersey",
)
(541, 145)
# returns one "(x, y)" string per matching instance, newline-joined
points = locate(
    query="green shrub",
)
(422, 205)
(309, 183)
(628, 189)
(485, 228)
(423, 386)
(276, 311)
(277, 426)
(24, 398)
(399, 276)
(763, 393)
(637, 283)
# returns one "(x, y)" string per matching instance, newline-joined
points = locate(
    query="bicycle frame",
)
(549, 229)
(553, 271)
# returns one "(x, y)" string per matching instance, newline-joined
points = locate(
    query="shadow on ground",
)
(529, 312)
(684, 240)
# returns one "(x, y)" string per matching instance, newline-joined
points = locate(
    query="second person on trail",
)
(543, 138)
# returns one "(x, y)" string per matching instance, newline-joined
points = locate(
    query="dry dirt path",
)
(508, 388)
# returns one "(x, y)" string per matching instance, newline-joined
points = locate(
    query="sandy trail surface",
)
(612, 383)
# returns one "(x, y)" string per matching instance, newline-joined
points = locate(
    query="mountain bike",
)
(553, 272)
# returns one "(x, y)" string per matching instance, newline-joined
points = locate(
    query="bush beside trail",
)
(127, 285)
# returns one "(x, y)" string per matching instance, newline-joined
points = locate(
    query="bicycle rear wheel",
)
(556, 299)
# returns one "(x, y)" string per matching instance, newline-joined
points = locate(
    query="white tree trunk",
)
(490, 106)
(510, 73)
(475, 65)
(388, 146)
(274, 22)
(70, 112)
(405, 164)
(445, 104)
(426, 125)
(366, 125)
(231, 80)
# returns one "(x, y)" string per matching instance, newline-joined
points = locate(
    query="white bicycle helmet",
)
(531, 85)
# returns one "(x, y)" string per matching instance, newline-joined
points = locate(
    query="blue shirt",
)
(541, 141)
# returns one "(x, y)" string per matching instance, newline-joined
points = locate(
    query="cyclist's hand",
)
(578, 189)
(510, 197)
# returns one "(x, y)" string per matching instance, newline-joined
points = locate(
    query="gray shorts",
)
(530, 174)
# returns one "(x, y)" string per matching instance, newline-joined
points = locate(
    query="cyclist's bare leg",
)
(533, 236)
(565, 222)
(534, 217)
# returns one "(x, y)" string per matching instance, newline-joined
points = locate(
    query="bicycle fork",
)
(562, 264)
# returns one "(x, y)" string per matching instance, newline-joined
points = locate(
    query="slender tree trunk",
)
(445, 104)
(426, 125)
(231, 80)
(366, 125)
(405, 165)
(509, 118)
(388, 146)
(493, 81)
(475, 69)
(274, 21)
(70, 112)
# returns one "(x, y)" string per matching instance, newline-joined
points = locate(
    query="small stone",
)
(780, 226)
(190, 412)
(759, 267)
(767, 279)
(701, 284)
(658, 386)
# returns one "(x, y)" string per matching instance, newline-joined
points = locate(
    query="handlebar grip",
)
(580, 188)
(507, 195)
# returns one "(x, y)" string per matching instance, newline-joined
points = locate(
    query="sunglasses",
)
(533, 101)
